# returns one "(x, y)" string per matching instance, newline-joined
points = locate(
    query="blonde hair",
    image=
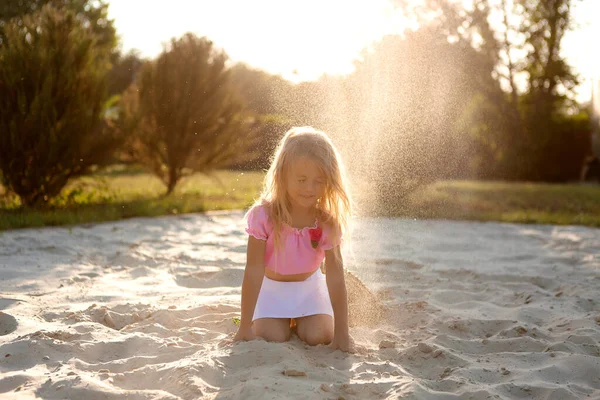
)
(335, 207)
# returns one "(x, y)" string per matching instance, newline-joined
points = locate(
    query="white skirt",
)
(293, 299)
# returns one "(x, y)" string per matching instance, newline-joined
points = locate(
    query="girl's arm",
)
(253, 277)
(336, 286)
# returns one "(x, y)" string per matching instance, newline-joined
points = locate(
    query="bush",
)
(183, 112)
(52, 94)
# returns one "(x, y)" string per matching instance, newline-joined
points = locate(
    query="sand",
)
(146, 308)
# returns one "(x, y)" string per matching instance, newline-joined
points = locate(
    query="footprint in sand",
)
(6, 303)
(8, 323)
(210, 277)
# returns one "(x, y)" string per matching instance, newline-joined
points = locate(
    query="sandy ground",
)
(143, 309)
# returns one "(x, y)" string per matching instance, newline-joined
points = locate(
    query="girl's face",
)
(305, 183)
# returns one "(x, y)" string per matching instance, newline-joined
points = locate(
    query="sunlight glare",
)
(301, 41)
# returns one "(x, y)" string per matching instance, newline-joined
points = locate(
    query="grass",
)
(560, 204)
(125, 192)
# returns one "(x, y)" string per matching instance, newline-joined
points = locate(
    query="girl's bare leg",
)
(315, 329)
(272, 329)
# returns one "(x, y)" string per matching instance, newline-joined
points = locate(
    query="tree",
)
(52, 94)
(125, 68)
(184, 112)
(261, 91)
(545, 141)
(526, 123)
(93, 14)
(552, 136)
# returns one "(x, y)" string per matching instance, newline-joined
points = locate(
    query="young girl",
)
(298, 221)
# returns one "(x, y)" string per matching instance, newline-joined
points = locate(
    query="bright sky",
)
(301, 40)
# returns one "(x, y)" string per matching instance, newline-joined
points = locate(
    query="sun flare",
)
(300, 42)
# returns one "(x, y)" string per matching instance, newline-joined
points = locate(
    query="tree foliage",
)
(125, 68)
(263, 93)
(52, 93)
(184, 113)
(92, 14)
(533, 128)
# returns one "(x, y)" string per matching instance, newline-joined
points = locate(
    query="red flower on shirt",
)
(315, 236)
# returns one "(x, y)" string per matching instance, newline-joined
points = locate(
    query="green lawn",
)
(119, 193)
(561, 204)
(116, 194)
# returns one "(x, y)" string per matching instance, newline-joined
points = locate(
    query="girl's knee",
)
(273, 334)
(321, 335)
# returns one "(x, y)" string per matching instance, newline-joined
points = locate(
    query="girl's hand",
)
(244, 334)
(343, 342)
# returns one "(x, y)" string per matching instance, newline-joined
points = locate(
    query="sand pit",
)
(144, 308)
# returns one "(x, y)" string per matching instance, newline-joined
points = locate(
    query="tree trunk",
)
(174, 176)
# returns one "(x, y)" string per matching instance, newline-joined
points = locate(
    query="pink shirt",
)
(296, 254)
